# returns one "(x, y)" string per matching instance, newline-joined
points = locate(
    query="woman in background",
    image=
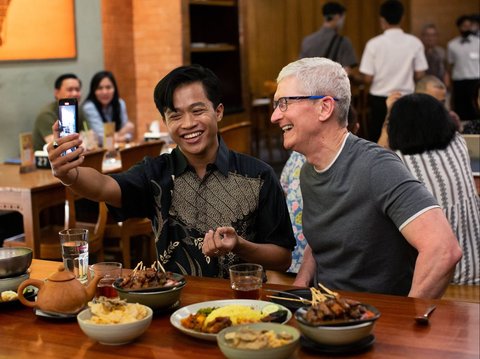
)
(104, 104)
(424, 136)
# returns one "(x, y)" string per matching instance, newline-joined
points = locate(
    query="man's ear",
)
(326, 108)
(219, 112)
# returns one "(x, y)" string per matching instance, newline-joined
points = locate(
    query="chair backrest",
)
(238, 137)
(94, 159)
(473, 145)
(132, 155)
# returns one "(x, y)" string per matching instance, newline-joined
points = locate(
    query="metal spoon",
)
(423, 319)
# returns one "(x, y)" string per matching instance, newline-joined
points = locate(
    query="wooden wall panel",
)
(443, 14)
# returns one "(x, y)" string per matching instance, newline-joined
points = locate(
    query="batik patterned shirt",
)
(237, 190)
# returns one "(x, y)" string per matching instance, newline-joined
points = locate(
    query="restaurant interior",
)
(246, 43)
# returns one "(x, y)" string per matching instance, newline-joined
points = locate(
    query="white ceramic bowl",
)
(113, 334)
(12, 283)
(162, 299)
(283, 352)
(333, 334)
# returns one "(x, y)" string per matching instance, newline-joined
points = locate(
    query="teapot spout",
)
(92, 287)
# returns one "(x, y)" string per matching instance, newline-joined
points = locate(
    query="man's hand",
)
(62, 165)
(219, 242)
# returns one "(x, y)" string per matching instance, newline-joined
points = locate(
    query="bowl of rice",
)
(114, 322)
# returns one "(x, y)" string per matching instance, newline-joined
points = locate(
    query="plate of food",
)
(204, 320)
(10, 297)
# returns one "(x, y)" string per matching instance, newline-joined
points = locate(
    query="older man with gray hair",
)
(369, 224)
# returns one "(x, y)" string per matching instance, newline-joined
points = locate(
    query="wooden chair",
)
(50, 246)
(131, 155)
(238, 136)
(134, 227)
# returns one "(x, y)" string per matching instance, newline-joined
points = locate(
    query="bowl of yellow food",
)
(258, 340)
(114, 322)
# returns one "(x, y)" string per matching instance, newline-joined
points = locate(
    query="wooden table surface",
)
(453, 333)
(29, 193)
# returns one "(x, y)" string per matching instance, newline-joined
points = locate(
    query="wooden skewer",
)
(335, 294)
(161, 267)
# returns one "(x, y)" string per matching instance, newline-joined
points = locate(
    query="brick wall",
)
(142, 43)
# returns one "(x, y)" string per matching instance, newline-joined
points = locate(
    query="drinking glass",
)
(246, 280)
(109, 271)
(75, 252)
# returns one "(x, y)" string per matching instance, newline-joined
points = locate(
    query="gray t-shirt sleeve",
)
(398, 194)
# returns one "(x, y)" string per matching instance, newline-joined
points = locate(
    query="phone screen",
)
(67, 115)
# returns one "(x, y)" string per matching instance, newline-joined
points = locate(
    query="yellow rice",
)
(238, 314)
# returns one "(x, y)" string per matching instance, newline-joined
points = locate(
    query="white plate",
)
(184, 312)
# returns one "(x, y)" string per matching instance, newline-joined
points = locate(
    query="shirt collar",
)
(180, 162)
(395, 30)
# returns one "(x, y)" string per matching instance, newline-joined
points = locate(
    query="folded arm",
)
(438, 253)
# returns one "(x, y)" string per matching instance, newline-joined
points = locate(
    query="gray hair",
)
(321, 76)
(421, 85)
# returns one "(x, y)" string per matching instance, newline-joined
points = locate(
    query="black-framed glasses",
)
(282, 102)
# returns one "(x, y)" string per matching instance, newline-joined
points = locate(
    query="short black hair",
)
(462, 19)
(183, 75)
(417, 123)
(333, 8)
(392, 11)
(61, 78)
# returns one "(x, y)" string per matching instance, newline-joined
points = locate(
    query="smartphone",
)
(67, 118)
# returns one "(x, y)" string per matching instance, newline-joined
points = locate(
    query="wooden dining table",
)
(29, 193)
(453, 331)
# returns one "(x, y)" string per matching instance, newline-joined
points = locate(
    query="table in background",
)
(453, 333)
(29, 193)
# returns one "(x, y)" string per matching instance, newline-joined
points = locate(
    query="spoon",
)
(423, 319)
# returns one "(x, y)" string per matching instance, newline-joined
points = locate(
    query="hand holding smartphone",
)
(67, 118)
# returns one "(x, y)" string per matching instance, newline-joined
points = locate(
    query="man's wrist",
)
(74, 180)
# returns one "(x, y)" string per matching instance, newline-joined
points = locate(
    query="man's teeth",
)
(287, 128)
(192, 135)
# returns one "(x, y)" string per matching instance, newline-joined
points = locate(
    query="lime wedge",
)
(269, 309)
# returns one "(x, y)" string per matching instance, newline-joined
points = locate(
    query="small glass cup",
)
(110, 271)
(74, 244)
(246, 280)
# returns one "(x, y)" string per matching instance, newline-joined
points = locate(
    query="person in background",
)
(327, 42)
(290, 181)
(103, 104)
(390, 62)
(436, 55)
(370, 225)
(65, 86)
(424, 137)
(429, 85)
(475, 25)
(210, 207)
(463, 56)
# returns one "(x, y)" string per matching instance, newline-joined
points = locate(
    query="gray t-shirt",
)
(351, 215)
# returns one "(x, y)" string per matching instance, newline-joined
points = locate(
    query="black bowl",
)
(14, 261)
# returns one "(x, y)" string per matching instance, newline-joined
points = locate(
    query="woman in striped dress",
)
(424, 136)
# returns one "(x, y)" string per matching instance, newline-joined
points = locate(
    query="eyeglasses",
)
(282, 102)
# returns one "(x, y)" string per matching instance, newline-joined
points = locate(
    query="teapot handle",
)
(33, 282)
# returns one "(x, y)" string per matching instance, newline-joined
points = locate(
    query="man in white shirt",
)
(391, 62)
(464, 63)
